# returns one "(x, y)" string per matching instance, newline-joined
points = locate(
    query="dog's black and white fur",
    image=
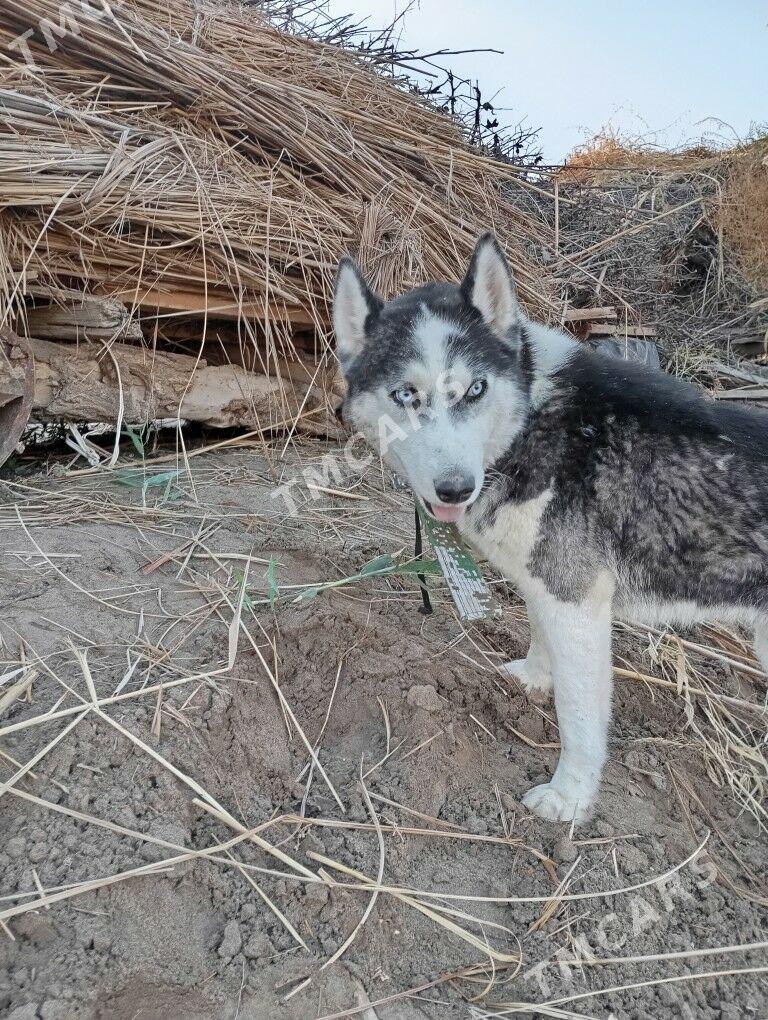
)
(599, 488)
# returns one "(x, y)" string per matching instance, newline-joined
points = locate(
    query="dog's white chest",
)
(508, 542)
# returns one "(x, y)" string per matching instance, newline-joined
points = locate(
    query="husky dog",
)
(599, 488)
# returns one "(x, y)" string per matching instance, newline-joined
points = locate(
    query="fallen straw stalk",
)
(461, 897)
(188, 780)
(634, 674)
(288, 710)
(507, 1009)
(697, 647)
(95, 706)
(449, 976)
(683, 954)
(435, 912)
(269, 903)
(211, 854)
(61, 713)
(594, 894)
(287, 820)
(474, 971)
(146, 869)
(379, 877)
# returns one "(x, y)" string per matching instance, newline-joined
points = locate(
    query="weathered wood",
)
(590, 314)
(748, 339)
(16, 389)
(216, 305)
(302, 370)
(86, 382)
(619, 330)
(84, 318)
(753, 374)
(742, 393)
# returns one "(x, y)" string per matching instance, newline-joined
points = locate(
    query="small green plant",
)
(140, 480)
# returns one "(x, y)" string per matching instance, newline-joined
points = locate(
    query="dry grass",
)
(607, 153)
(191, 156)
(743, 214)
(728, 190)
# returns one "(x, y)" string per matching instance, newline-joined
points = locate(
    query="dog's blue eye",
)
(477, 389)
(405, 396)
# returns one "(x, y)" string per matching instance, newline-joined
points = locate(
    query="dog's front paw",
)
(531, 679)
(547, 801)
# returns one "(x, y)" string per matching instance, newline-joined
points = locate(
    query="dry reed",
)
(193, 158)
(743, 214)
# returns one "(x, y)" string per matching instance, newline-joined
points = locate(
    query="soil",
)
(411, 701)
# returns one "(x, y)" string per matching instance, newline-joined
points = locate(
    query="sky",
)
(671, 71)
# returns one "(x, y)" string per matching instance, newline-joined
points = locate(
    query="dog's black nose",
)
(455, 489)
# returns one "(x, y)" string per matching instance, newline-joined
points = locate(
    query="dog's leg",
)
(534, 671)
(578, 638)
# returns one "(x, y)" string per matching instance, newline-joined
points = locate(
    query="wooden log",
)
(88, 381)
(304, 371)
(16, 390)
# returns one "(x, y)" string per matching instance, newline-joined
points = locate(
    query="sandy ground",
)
(206, 768)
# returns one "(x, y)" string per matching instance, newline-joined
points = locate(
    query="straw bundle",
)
(743, 213)
(191, 160)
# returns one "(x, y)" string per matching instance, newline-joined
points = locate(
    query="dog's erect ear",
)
(355, 308)
(490, 287)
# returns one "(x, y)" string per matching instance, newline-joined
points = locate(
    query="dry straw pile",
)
(599, 158)
(190, 159)
(733, 183)
(744, 215)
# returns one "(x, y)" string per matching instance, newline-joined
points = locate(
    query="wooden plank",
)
(754, 376)
(746, 339)
(742, 393)
(218, 305)
(619, 330)
(590, 314)
(85, 318)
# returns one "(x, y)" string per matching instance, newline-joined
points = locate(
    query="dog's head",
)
(436, 378)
